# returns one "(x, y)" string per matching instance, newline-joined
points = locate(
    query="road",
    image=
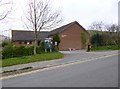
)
(100, 72)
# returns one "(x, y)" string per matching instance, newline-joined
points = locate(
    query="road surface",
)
(100, 72)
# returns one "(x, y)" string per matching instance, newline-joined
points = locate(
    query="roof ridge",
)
(63, 26)
(29, 31)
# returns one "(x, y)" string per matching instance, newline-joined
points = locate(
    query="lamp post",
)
(119, 13)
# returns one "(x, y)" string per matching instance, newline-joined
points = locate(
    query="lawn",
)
(32, 58)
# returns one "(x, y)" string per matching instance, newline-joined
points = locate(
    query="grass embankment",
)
(32, 58)
(107, 47)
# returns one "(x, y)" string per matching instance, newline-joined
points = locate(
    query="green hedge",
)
(10, 51)
(7, 51)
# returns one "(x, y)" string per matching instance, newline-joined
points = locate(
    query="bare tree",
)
(5, 9)
(40, 16)
(114, 29)
(98, 26)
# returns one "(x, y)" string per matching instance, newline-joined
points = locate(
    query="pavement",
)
(95, 72)
(70, 56)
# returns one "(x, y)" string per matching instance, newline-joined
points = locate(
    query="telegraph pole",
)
(119, 13)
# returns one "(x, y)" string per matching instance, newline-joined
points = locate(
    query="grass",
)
(32, 58)
(107, 47)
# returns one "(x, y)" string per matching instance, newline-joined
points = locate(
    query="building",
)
(70, 36)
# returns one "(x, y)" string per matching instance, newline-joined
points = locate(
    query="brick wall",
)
(71, 38)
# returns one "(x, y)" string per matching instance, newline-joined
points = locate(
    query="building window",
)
(63, 36)
(25, 42)
(30, 42)
(20, 42)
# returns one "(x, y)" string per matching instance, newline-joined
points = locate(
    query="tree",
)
(98, 26)
(109, 33)
(5, 9)
(97, 40)
(56, 38)
(40, 16)
(83, 38)
(113, 31)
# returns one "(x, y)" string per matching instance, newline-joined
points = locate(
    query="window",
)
(20, 42)
(63, 36)
(25, 42)
(30, 42)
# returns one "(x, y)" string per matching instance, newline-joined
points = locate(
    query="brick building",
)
(70, 36)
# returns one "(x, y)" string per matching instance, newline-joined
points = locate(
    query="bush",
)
(18, 51)
(10, 51)
(29, 50)
(4, 43)
(40, 50)
(7, 51)
(42, 44)
(56, 38)
(97, 40)
(83, 38)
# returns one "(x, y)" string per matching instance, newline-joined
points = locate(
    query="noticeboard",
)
(48, 44)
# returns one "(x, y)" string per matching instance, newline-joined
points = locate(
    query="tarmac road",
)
(100, 72)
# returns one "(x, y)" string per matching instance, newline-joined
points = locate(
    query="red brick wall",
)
(71, 38)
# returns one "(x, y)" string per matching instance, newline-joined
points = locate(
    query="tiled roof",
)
(20, 35)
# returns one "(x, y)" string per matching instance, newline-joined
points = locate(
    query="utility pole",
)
(119, 13)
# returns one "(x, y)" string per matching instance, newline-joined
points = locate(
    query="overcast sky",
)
(83, 11)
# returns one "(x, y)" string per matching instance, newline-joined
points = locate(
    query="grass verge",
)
(32, 58)
(107, 47)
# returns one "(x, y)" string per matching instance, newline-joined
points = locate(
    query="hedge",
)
(10, 51)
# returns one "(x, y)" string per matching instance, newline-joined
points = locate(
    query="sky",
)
(84, 12)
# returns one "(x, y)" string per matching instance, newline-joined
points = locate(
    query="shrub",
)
(56, 38)
(83, 38)
(40, 50)
(7, 51)
(4, 44)
(19, 51)
(97, 40)
(29, 50)
(42, 44)
(10, 51)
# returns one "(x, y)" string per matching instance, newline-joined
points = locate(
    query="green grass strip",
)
(107, 47)
(32, 58)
